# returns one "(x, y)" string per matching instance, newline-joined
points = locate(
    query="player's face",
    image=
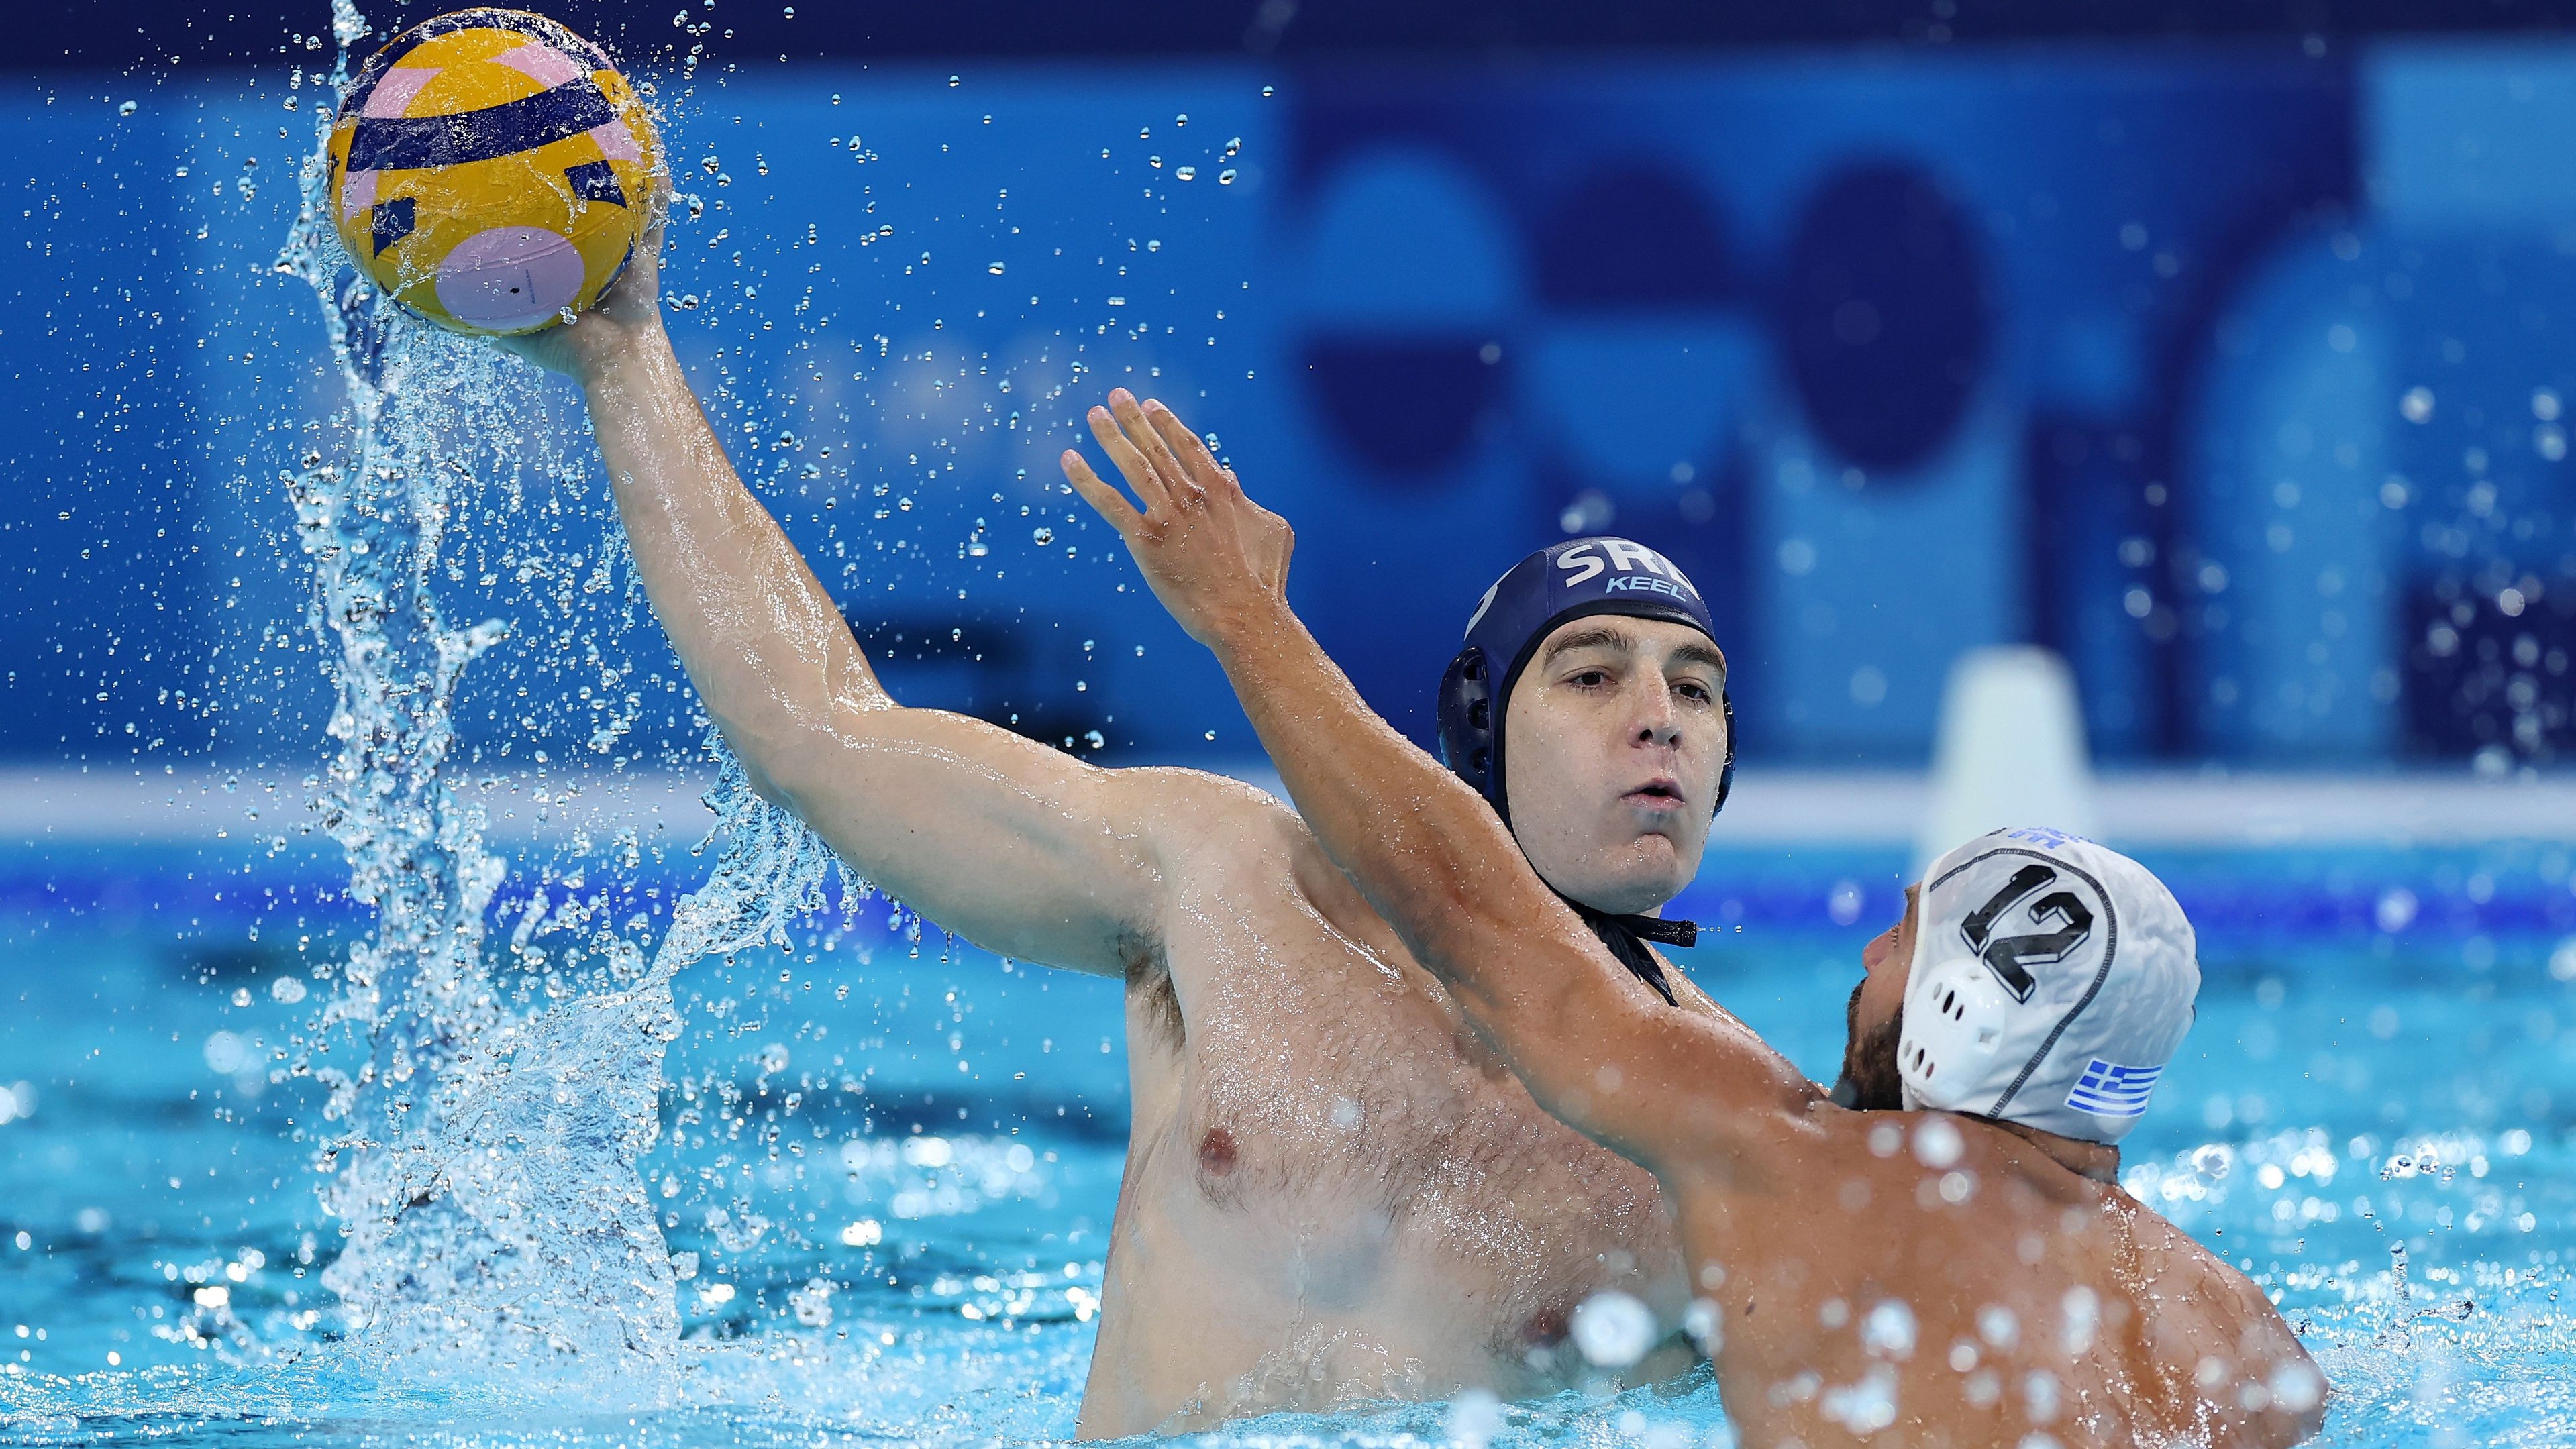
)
(1614, 738)
(1874, 1018)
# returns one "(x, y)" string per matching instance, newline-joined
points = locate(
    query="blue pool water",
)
(313, 1129)
(891, 1201)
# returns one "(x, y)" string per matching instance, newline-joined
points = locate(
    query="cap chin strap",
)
(1626, 936)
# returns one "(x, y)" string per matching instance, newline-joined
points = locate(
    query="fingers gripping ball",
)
(491, 171)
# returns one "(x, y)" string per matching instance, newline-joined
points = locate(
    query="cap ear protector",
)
(1954, 1024)
(1572, 580)
(1468, 737)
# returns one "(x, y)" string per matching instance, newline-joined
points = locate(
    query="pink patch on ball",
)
(616, 142)
(544, 64)
(510, 278)
(358, 192)
(395, 91)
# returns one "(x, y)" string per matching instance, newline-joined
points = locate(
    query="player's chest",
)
(1369, 1100)
(1325, 1078)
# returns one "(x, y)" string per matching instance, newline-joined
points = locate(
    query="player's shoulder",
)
(1194, 809)
(1218, 828)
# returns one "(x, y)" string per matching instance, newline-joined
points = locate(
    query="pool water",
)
(886, 1172)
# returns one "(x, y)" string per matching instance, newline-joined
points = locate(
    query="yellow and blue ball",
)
(491, 171)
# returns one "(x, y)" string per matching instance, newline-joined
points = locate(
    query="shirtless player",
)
(1334, 1192)
(1953, 1263)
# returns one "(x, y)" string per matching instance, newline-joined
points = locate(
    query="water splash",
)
(484, 1167)
(2397, 1328)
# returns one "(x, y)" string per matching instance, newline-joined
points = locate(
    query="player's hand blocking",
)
(1216, 559)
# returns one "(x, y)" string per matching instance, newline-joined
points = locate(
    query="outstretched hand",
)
(630, 309)
(1216, 559)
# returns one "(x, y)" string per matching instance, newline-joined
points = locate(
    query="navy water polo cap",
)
(1571, 580)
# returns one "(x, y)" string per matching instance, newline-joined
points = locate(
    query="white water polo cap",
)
(2052, 981)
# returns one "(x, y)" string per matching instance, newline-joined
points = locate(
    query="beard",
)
(1870, 1081)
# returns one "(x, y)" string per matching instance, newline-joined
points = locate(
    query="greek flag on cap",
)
(2052, 981)
(2109, 1090)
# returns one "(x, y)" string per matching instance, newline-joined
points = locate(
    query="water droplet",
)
(1705, 1324)
(1225, 177)
(1474, 1419)
(127, 109)
(1888, 1331)
(1043, 536)
(1998, 1326)
(2396, 910)
(2562, 962)
(1186, 173)
(1613, 1329)
(995, 269)
(1936, 1143)
(2416, 404)
(2297, 1387)
(1590, 511)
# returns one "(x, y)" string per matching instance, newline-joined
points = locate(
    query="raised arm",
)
(1594, 1046)
(1023, 850)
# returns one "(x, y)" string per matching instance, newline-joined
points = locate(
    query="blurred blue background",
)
(2233, 370)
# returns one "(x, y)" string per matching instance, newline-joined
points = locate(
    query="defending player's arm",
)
(1595, 1047)
(1023, 850)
